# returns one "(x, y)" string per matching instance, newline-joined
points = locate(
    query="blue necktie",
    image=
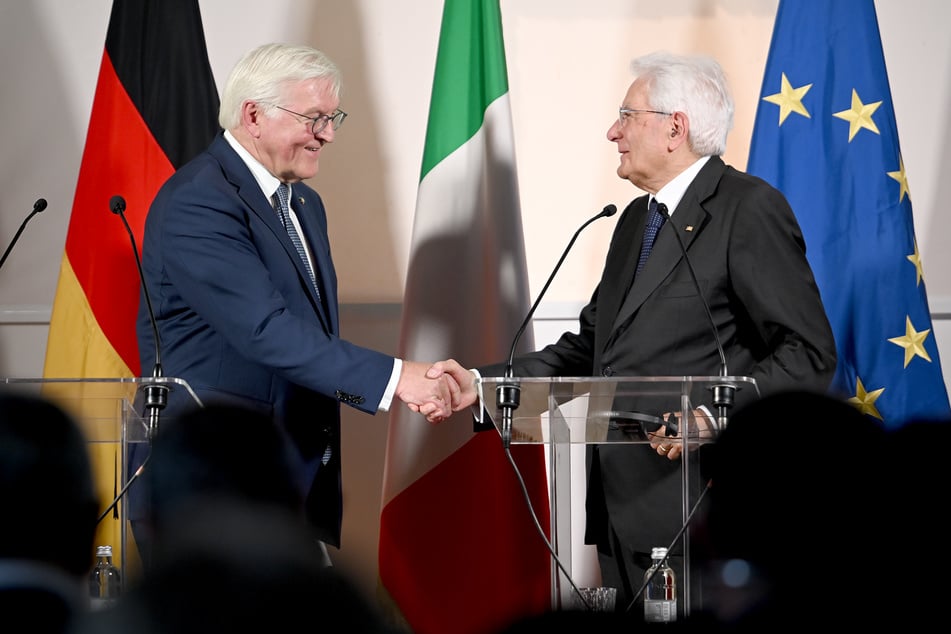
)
(284, 211)
(655, 221)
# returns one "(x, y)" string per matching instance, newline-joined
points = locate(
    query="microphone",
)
(38, 206)
(156, 395)
(509, 394)
(722, 393)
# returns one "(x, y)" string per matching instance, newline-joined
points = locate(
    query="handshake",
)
(436, 390)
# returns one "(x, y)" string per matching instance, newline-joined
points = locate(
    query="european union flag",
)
(825, 135)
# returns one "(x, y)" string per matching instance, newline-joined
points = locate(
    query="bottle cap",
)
(104, 551)
(658, 553)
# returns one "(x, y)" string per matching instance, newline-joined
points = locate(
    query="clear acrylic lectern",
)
(568, 413)
(111, 413)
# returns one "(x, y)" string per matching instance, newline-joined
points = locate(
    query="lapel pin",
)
(688, 228)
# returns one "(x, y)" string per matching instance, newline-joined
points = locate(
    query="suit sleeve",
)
(226, 264)
(773, 282)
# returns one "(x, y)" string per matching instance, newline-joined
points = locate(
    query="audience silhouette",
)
(815, 514)
(50, 510)
(243, 566)
(791, 533)
(229, 545)
(911, 546)
(213, 453)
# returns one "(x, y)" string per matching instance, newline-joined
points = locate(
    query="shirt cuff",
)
(479, 406)
(390, 390)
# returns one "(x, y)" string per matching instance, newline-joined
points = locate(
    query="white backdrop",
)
(567, 72)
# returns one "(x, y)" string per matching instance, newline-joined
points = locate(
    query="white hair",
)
(261, 74)
(695, 86)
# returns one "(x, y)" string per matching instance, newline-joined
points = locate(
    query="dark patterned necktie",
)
(655, 221)
(284, 211)
(282, 196)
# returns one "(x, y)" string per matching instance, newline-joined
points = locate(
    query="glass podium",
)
(567, 414)
(111, 413)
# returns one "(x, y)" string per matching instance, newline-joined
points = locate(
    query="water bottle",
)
(104, 581)
(660, 595)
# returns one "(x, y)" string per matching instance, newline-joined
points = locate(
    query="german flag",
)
(155, 107)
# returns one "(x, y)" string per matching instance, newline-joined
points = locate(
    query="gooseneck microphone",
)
(723, 392)
(38, 206)
(509, 394)
(156, 394)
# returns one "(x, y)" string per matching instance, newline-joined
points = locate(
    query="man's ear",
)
(679, 127)
(251, 115)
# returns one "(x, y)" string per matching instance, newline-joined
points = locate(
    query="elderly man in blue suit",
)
(238, 268)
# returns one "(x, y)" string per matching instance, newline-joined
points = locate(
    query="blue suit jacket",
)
(239, 320)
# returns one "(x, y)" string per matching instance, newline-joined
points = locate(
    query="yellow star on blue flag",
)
(840, 167)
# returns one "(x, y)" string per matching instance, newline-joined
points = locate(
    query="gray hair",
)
(261, 74)
(695, 86)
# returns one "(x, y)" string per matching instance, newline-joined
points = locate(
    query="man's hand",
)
(700, 427)
(433, 397)
(664, 445)
(463, 378)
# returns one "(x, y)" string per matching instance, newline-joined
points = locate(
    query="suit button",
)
(353, 399)
(607, 371)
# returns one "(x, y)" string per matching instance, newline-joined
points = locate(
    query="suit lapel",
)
(688, 221)
(249, 191)
(619, 267)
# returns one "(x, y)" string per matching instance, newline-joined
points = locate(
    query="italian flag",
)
(154, 108)
(459, 549)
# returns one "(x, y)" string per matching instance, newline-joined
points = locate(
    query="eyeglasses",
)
(320, 121)
(626, 113)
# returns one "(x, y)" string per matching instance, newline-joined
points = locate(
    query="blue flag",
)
(825, 135)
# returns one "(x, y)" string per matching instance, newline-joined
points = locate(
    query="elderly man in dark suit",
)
(646, 319)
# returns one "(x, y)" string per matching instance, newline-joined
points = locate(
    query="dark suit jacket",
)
(748, 252)
(239, 320)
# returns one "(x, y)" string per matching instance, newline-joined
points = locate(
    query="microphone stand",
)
(156, 399)
(723, 401)
(509, 397)
(509, 393)
(156, 391)
(722, 393)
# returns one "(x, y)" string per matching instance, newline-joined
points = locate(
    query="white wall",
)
(567, 71)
